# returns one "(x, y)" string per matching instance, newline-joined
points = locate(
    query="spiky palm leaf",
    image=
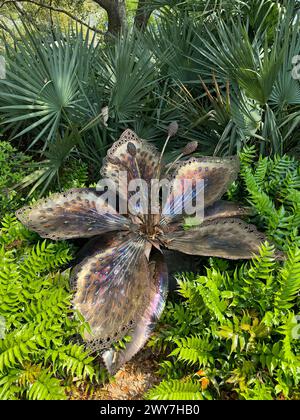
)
(41, 92)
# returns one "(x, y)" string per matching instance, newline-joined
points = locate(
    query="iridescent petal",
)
(77, 213)
(112, 289)
(118, 159)
(156, 296)
(225, 238)
(217, 174)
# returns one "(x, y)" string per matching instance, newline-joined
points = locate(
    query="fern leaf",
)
(193, 350)
(176, 390)
(289, 279)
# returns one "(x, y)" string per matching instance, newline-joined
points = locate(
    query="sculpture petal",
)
(224, 209)
(156, 297)
(118, 160)
(119, 291)
(225, 238)
(77, 213)
(217, 174)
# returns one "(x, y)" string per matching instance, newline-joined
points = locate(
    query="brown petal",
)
(111, 288)
(223, 209)
(77, 213)
(225, 238)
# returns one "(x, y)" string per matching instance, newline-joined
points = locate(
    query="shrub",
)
(14, 166)
(234, 334)
(273, 189)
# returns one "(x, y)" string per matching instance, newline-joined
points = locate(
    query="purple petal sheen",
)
(112, 290)
(157, 296)
(216, 173)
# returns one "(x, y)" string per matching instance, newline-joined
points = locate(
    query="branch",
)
(54, 9)
(21, 11)
(105, 4)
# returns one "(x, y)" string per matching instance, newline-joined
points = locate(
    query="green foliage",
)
(234, 331)
(74, 175)
(40, 357)
(43, 82)
(60, 170)
(231, 73)
(15, 166)
(176, 390)
(221, 69)
(56, 91)
(273, 188)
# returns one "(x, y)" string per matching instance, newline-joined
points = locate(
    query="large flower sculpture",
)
(121, 287)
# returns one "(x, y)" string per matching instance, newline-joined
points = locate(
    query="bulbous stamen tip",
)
(172, 129)
(190, 148)
(131, 149)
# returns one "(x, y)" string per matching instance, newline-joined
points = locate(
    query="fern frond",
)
(19, 345)
(45, 257)
(37, 359)
(247, 156)
(262, 265)
(260, 200)
(289, 360)
(209, 289)
(194, 350)
(73, 359)
(46, 387)
(176, 390)
(261, 171)
(289, 279)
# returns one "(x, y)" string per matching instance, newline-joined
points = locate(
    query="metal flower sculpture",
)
(121, 287)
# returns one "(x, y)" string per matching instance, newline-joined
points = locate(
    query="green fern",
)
(272, 186)
(193, 350)
(176, 390)
(289, 280)
(258, 392)
(14, 166)
(38, 356)
(46, 387)
(236, 324)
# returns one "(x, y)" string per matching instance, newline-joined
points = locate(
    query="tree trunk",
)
(116, 14)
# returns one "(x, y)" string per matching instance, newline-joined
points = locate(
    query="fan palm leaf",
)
(41, 92)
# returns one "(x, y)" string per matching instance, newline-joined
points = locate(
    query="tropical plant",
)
(273, 189)
(263, 101)
(42, 92)
(229, 73)
(66, 95)
(62, 166)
